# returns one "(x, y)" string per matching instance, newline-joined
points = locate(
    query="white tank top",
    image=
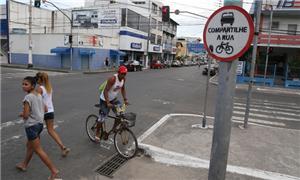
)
(115, 89)
(47, 99)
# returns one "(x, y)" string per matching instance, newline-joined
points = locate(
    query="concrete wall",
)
(42, 45)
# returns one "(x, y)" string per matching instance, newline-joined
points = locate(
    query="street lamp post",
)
(203, 125)
(71, 32)
(269, 42)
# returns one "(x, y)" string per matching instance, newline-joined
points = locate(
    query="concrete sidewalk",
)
(20, 66)
(178, 151)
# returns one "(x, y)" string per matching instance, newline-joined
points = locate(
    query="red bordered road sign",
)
(228, 33)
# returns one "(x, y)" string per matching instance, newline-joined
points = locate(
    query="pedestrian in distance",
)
(32, 114)
(106, 63)
(46, 91)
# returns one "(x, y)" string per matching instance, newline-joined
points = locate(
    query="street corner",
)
(260, 152)
(178, 135)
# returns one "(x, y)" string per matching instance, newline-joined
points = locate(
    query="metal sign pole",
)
(223, 114)
(258, 5)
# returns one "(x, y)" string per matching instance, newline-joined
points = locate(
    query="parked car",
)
(133, 65)
(167, 63)
(176, 63)
(156, 65)
(213, 69)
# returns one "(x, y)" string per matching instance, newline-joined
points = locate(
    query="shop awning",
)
(60, 50)
(117, 52)
(87, 52)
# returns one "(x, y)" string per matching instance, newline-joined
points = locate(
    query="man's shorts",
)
(34, 131)
(48, 116)
(104, 110)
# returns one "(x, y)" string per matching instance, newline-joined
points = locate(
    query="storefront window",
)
(159, 25)
(133, 19)
(158, 39)
(143, 24)
(292, 29)
(153, 23)
(123, 21)
(152, 38)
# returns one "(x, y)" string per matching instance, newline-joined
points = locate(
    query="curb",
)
(213, 81)
(33, 68)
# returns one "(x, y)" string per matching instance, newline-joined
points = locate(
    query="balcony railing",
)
(292, 40)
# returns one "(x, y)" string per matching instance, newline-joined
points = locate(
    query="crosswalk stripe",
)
(267, 111)
(267, 107)
(241, 119)
(267, 116)
(267, 101)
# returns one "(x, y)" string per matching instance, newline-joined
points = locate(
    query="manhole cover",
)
(109, 167)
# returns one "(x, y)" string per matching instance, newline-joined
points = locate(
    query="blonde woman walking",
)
(45, 89)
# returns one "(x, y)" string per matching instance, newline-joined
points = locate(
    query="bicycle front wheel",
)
(90, 126)
(125, 143)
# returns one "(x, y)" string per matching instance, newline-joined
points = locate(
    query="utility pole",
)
(29, 65)
(71, 31)
(258, 5)
(8, 38)
(148, 37)
(269, 42)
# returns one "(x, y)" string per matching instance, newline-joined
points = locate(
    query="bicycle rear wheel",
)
(125, 143)
(90, 126)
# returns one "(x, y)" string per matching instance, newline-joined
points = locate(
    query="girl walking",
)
(33, 112)
(45, 89)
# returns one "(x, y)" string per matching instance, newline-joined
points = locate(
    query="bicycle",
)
(224, 46)
(124, 139)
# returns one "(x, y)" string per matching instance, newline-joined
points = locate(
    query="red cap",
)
(122, 70)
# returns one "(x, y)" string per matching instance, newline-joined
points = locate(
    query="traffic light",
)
(270, 50)
(37, 3)
(70, 39)
(165, 13)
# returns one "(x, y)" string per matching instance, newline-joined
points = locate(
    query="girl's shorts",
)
(34, 131)
(48, 116)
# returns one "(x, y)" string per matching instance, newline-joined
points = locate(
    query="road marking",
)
(266, 101)
(278, 90)
(241, 119)
(15, 137)
(266, 111)
(11, 123)
(267, 116)
(267, 107)
(179, 159)
(162, 101)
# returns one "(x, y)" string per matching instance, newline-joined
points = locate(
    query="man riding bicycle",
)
(108, 97)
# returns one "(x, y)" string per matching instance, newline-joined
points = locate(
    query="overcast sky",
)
(190, 25)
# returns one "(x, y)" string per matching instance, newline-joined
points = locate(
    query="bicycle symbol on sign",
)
(224, 46)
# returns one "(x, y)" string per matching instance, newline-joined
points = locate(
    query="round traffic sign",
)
(228, 33)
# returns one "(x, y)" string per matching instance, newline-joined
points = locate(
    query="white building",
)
(118, 30)
(283, 65)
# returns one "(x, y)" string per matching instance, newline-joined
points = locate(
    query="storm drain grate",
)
(109, 167)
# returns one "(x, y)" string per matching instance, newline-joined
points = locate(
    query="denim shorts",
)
(104, 110)
(34, 131)
(49, 116)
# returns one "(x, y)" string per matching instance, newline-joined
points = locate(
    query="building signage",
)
(85, 18)
(156, 48)
(195, 48)
(240, 67)
(228, 33)
(136, 45)
(288, 4)
(108, 17)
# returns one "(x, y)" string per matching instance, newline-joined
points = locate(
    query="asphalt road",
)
(152, 94)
